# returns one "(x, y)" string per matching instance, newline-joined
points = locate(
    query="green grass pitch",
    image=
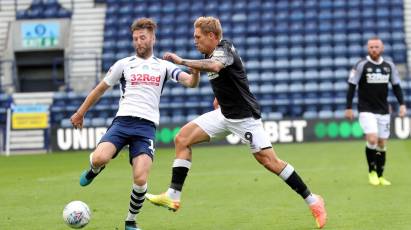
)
(226, 190)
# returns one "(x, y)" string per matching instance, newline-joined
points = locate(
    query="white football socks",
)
(311, 199)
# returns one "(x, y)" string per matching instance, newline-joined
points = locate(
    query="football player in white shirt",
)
(141, 78)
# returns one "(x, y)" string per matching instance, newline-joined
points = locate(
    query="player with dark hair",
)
(142, 78)
(372, 75)
(238, 113)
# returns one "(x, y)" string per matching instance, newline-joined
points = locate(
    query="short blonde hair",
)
(374, 38)
(209, 24)
(144, 23)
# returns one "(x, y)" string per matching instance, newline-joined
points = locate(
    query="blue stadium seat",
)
(354, 26)
(40, 9)
(268, 52)
(326, 50)
(267, 40)
(353, 60)
(309, 114)
(280, 76)
(282, 40)
(325, 114)
(311, 87)
(297, 63)
(326, 75)
(354, 38)
(326, 62)
(325, 27)
(296, 88)
(282, 52)
(341, 74)
(356, 50)
(252, 65)
(341, 62)
(340, 38)
(281, 64)
(66, 123)
(340, 50)
(326, 86)
(274, 116)
(311, 76)
(98, 121)
(311, 63)
(253, 77)
(109, 121)
(267, 65)
(311, 100)
(296, 51)
(296, 76)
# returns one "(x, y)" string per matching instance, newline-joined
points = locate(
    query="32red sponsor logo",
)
(144, 79)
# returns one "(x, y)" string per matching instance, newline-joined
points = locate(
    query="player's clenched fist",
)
(173, 58)
(77, 120)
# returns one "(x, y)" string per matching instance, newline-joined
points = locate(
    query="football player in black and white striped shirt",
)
(372, 75)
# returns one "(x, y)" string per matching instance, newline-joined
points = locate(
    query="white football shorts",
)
(249, 130)
(375, 123)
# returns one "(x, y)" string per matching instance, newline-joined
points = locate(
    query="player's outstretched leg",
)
(171, 198)
(88, 175)
(315, 202)
(101, 156)
(318, 211)
(271, 162)
(164, 201)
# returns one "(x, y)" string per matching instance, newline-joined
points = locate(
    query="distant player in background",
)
(238, 113)
(142, 78)
(372, 75)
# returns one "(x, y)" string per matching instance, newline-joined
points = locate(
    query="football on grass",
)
(76, 214)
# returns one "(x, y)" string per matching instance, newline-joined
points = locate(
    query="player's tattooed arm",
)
(190, 80)
(207, 65)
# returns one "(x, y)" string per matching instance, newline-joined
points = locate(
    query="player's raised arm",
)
(208, 65)
(78, 117)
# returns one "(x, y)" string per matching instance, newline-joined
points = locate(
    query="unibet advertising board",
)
(283, 131)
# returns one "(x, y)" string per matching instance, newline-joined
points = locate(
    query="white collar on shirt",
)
(143, 58)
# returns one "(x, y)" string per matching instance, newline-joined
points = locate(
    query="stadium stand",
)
(41, 9)
(299, 54)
